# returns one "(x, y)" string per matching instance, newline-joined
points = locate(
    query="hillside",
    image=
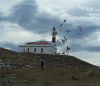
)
(53, 59)
(24, 69)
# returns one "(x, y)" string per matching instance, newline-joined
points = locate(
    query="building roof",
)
(40, 43)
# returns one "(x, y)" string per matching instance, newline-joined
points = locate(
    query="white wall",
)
(46, 49)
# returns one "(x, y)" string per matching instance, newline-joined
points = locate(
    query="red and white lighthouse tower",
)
(54, 33)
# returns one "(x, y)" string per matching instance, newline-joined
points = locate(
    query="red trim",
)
(40, 43)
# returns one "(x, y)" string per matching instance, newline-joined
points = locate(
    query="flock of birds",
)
(65, 36)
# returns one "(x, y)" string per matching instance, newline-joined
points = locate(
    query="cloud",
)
(89, 42)
(1, 15)
(12, 35)
(23, 13)
(61, 4)
(26, 15)
(87, 56)
(31, 17)
(9, 45)
(78, 12)
(6, 5)
(94, 4)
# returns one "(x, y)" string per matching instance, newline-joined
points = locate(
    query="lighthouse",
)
(54, 33)
(41, 46)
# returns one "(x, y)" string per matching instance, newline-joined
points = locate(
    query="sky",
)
(31, 20)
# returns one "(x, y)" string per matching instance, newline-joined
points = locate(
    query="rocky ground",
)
(24, 69)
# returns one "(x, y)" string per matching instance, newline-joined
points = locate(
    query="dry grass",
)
(59, 70)
(55, 77)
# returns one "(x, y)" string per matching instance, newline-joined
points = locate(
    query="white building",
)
(42, 47)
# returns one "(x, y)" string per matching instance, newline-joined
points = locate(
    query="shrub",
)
(91, 72)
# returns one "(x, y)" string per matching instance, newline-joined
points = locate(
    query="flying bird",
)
(68, 48)
(68, 31)
(61, 25)
(64, 20)
(80, 28)
(58, 42)
(65, 38)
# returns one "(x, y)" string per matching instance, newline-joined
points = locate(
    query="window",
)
(42, 50)
(28, 49)
(34, 49)
(24, 50)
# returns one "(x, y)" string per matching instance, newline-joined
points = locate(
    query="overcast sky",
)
(30, 20)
